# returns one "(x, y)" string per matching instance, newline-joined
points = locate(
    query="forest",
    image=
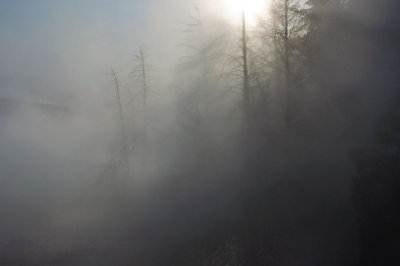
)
(273, 140)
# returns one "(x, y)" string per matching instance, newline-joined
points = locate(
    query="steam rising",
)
(208, 143)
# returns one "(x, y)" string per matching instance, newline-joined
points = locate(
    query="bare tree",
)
(124, 144)
(204, 57)
(141, 74)
(246, 87)
(282, 34)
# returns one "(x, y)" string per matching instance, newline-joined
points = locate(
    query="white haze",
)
(66, 200)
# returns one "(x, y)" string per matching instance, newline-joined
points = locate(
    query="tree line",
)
(307, 101)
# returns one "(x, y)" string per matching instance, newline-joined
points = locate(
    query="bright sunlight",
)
(252, 9)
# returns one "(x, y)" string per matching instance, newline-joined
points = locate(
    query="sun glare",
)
(252, 9)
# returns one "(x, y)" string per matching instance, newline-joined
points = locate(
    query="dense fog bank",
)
(266, 142)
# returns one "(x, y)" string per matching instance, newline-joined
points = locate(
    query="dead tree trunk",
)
(144, 79)
(246, 86)
(141, 73)
(287, 65)
(124, 147)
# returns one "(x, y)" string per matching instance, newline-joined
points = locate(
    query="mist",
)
(179, 133)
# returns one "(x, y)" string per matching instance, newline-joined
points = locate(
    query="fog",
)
(177, 133)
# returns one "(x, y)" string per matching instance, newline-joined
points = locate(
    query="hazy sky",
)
(54, 50)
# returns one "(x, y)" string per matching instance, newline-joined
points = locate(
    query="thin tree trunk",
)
(203, 54)
(246, 87)
(287, 65)
(122, 125)
(144, 87)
